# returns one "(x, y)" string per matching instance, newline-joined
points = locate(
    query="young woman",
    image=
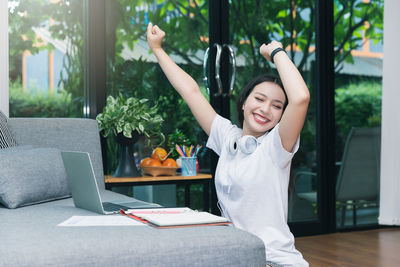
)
(252, 175)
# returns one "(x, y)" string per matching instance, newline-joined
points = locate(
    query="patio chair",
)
(358, 179)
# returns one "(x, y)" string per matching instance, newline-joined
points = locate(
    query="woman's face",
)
(263, 109)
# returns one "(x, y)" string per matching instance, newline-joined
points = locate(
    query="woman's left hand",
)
(266, 49)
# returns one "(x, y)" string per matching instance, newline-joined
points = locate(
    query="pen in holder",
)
(189, 166)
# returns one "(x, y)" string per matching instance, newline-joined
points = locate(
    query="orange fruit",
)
(159, 154)
(145, 162)
(170, 162)
(154, 163)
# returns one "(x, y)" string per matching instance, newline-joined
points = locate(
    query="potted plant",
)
(127, 119)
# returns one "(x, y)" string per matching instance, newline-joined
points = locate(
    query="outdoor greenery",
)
(356, 105)
(39, 104)
(63, 19)
(291, 22)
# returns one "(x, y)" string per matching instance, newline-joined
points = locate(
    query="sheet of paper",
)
(105, 220)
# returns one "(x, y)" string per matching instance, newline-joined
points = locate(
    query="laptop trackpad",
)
(139, 204)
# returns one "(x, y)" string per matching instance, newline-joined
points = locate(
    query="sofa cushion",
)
(6, 137)
(31, 176)
(15, 148)
(30, 237)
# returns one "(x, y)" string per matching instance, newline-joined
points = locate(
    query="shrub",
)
(358, 105)
(41, 104)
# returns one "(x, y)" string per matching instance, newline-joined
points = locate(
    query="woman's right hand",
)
(266, 49)
(155, 36)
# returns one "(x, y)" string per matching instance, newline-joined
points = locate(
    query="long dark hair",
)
(249, 88)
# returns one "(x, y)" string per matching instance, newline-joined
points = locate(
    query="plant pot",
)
(126, 166)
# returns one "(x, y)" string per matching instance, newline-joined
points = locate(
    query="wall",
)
(4, 57)
(390, 158)
(37, 71)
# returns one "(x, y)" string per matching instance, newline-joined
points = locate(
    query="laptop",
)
(85, 192)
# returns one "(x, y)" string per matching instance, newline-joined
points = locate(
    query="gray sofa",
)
(29, 235)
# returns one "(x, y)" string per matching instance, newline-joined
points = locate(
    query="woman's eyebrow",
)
(273, 100)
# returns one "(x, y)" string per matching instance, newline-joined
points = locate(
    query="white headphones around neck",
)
(246, 144)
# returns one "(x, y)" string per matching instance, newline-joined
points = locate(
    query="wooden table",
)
(202, 178)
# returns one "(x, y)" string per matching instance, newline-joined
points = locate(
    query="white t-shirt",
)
(252, 189)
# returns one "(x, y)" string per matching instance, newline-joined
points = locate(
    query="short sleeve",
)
(221, 128)
(278, 153)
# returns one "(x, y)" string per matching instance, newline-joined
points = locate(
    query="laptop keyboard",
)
(108, 206)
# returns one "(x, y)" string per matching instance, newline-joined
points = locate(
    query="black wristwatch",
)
(276, 50)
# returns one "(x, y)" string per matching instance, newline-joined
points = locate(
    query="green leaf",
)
(128, 134)
(141, 127)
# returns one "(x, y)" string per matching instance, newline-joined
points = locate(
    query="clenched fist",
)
(155, 36)
(266, 50)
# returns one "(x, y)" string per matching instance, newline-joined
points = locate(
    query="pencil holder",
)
(189, 166)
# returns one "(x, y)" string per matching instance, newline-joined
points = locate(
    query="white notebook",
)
(176, 216)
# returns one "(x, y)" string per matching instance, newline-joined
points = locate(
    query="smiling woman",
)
(262, 101)
(246, 91)
(251, 184)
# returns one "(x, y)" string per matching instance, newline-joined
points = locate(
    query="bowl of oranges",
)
(158, 164)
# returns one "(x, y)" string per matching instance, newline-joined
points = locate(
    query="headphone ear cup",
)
(248, 144)
(233, 146)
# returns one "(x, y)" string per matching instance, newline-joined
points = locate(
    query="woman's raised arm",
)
(297, 92)
(181, 81)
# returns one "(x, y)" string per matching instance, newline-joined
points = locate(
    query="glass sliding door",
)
(45, 55)
(358, 102)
